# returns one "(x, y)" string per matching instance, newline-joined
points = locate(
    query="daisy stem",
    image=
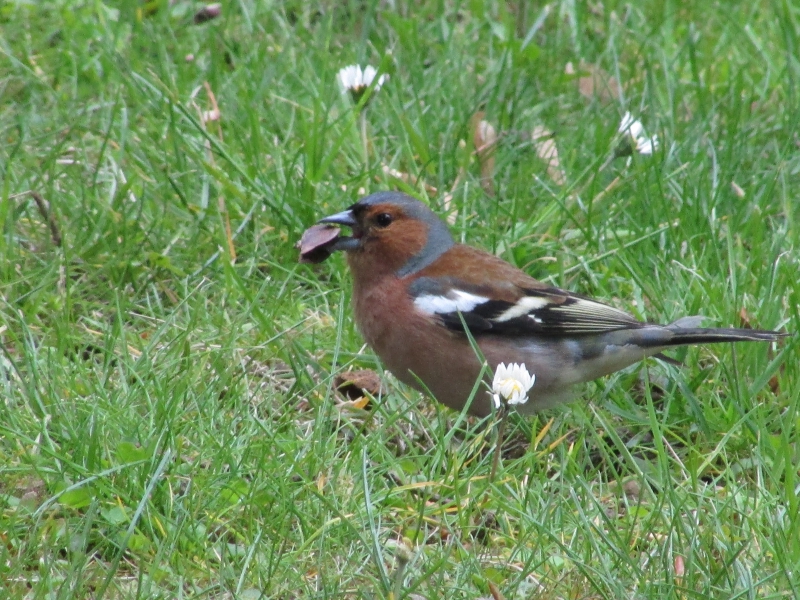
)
(498, 449)
(362, 118)
(608, 162)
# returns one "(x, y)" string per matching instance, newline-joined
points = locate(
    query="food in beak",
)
(317, 243)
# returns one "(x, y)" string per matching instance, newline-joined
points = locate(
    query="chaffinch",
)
(415, 292)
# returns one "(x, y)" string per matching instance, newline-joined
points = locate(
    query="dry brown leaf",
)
(595, 82)
(355, 385)
(484, 138)
(547, 151)
(495, 591)
(680, 567)
(774, 384)
(744, 319)
(447, 199)
(630, 488)
(407, 178)
(215, 114)
(211, 115)
(207, 13)
(452, 213)
(31, 490)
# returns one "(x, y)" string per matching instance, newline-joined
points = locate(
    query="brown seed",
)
(314, 245)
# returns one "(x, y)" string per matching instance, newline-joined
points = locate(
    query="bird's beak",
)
(343, 218)
(347, 219)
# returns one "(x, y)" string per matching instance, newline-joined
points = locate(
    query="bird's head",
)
(392, 232)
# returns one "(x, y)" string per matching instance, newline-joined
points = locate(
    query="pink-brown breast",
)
(416, 348)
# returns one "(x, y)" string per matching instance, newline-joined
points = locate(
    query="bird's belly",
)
(419, 351)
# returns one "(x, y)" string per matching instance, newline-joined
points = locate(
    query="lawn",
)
(169, 426)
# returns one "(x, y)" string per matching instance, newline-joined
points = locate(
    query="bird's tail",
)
(685, 331)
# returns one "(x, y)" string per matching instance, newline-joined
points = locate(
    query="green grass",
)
(167, 425)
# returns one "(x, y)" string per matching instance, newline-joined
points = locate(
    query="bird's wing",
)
(521, 307)
(470, 286)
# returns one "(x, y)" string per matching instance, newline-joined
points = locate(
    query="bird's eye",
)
(384, 220)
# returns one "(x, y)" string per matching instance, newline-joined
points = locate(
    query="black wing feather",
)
(544, 311)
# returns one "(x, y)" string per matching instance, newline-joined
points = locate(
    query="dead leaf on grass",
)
(407, 178)
(31, 490)
(595, 82)
(211, 115)
(495, 591)
(484, 138)
(215, 114)
(774, 384)
(356, 385)
(450, 211)
(679, 566)
(545, 145)
(744, 319)
(207, 13)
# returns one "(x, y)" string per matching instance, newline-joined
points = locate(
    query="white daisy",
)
(356, 81)
(647, 145)
(634, 128)
(511, 384)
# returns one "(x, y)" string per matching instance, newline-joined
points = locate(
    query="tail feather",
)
(701, 335)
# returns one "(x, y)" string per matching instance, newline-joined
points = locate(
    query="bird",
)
(441, 316)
